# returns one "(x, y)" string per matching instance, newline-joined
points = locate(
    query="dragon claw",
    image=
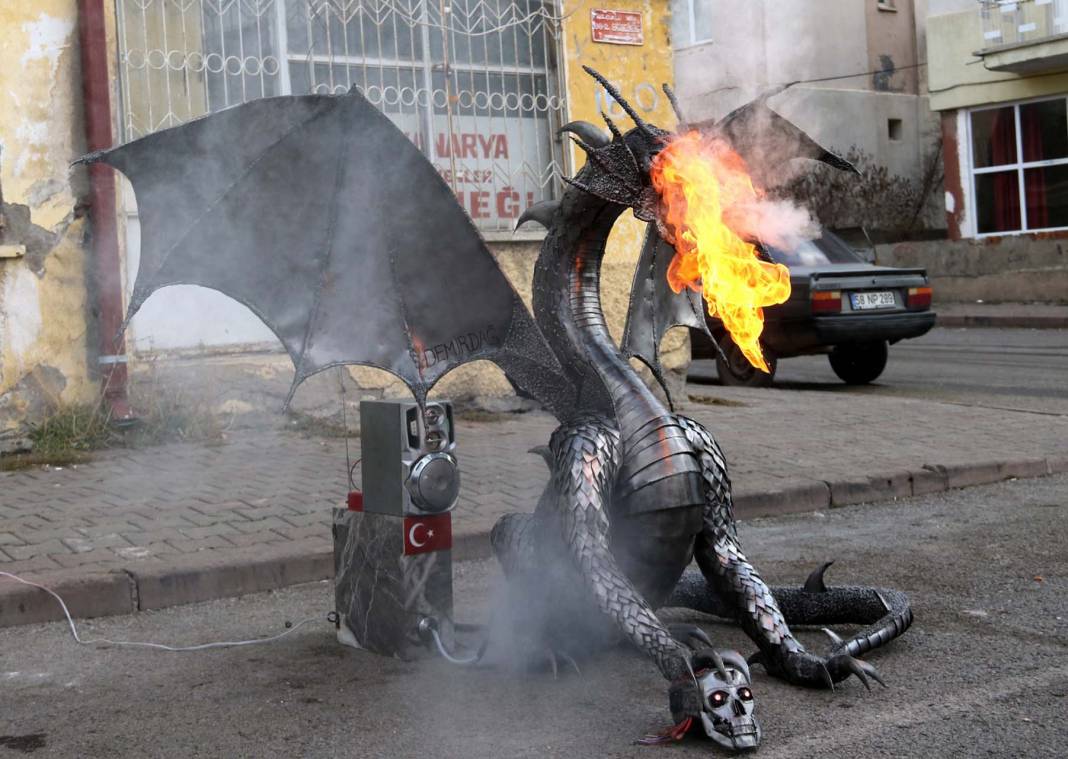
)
(850, 665)
(691, 635)
(827, 679)
(835, 639)
(571, 662)
(805, 669)
(553, 658)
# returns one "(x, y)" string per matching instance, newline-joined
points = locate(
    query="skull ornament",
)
(727, 708)
(725, 700)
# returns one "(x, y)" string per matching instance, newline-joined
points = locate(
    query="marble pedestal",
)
(381, 591)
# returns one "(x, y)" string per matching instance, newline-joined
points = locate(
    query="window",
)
(893, 129)
(691, 22)
(473, 83)
(886, 5)
(1020, 151)
(826, 249)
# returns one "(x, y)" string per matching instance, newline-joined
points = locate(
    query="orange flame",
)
(707, 200)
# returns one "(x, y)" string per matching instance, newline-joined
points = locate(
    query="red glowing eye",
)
(745, 694)
(718, 697)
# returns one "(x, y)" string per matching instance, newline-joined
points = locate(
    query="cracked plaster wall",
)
(43, 302)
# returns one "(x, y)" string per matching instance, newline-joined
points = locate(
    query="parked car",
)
(839, 304)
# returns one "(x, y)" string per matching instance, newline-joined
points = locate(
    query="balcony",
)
(1024, 36)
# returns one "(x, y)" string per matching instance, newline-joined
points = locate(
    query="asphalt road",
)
(983, 672)
(1024, 369)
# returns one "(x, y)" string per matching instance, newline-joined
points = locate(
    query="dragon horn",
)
(674, 102)
(599, 159)
(611, 90)
(588, 132)
(541, 212)
(612, 126)
(618, 136)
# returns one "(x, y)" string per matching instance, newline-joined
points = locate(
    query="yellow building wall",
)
(956, 76)
(43, 313)
(638, 72)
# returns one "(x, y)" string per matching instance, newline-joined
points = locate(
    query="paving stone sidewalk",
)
(176, 511)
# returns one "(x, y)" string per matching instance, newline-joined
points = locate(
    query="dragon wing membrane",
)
(318, 214)
(766, 140)
(655, 307)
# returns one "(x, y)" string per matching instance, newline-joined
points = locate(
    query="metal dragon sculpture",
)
(320, 215)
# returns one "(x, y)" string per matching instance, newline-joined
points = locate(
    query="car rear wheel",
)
(736, 369)
(859, 363)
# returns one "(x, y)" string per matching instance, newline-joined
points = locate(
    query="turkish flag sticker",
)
(426, 534)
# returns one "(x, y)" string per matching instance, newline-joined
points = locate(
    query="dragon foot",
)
(851, 665)
(802, 668)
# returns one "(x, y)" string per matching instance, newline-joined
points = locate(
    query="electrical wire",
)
(460, 660)
(815, 80)
(158, 646)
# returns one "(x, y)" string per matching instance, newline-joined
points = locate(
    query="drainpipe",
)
(106, 265)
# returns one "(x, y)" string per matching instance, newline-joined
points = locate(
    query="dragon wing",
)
(655, 307)
(318, 214)
(766, 140)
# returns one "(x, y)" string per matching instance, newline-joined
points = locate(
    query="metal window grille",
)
(475, 84)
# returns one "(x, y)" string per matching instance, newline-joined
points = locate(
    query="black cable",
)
(890, 71)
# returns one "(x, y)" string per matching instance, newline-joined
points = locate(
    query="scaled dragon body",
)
(379, 272)
(638, 491)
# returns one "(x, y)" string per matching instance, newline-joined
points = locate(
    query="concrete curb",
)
(194, 578)
(1002, 321)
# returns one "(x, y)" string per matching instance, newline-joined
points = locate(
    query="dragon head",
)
(699, 192)
(624, 160)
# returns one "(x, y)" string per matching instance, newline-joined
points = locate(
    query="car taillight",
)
(919, 297)
(826, 301)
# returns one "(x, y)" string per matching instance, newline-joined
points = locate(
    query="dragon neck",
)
(567, 307)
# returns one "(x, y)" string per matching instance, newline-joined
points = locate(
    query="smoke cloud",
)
(776, 222)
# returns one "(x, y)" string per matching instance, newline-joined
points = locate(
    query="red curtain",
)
(1034, 179)
(1006, 187)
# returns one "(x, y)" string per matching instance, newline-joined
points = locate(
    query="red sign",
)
(616, 27)
(426, 534)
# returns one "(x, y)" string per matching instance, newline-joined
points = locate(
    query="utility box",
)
(393, 544)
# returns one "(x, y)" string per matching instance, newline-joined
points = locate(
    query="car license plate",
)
(864, 301)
